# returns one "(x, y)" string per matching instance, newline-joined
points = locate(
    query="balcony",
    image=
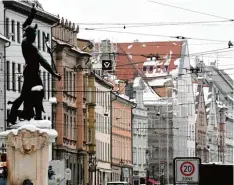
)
(69, 142)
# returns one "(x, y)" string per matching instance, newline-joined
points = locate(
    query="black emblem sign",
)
(107, 65)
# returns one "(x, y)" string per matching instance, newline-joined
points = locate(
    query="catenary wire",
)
(194, 11)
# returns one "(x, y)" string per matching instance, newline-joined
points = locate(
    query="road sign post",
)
(186, 170)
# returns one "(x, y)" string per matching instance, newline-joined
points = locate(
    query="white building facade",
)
(215, 87)
(15, 14)
(103, 130)
(171, 114)
(4, 42)
(183, 106)
(140, 132)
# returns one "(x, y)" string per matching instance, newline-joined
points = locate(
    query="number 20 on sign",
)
(186, 170)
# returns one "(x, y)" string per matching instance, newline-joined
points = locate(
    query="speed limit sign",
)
(186, 170)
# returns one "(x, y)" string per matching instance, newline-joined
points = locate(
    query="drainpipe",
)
(54, 154)
(133, 107)
(4, 68)
(111, 109)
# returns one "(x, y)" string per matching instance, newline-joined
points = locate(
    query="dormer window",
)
(144, 68)
(151, 68)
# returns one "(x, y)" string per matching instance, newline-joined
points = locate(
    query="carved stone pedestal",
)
(28, 151)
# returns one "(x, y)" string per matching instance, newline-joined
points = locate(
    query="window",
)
(7, 27)
(48, 36)
(67, 82)
(39, 39)
(84, 87)
(65, 125)
(189, 132)
(151, 68)
(70, 85)
(8, 75)
(72, 127)
(48, 88)
(74, 84)
(89, 94)
(44, 83)
(84, 130)
(64, 79)
(75, 127)
(134, 156)
(105, 125)
(139, 156)
(19, 77)
(144, 68)
(43, 42)
(13, 77)
(13, 30)
(109, 149)
(8, 113)
(18, 32)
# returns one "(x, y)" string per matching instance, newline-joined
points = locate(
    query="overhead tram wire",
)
(194, 11)
(175, 37)
(124, 26)
(144, 23)
(153, 35)
(174, 55)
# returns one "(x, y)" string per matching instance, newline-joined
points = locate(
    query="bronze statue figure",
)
(33, 59)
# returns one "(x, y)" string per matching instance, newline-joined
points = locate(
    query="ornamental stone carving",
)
(27, 141)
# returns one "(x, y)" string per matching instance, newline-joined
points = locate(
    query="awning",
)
(152, 181)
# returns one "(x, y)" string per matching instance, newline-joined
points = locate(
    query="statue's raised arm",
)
(30, 18)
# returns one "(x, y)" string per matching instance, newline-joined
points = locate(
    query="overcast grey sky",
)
(143, 11)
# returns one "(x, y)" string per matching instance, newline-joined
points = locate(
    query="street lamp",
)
(162, 174)
(121, 163)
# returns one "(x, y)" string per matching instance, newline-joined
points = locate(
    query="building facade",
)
(214, 100)
(4, 42)
(103, 130)
(202, 149)
(15, 13)
(171, 111)
(69, 114)
(140, 132)
(122, 140)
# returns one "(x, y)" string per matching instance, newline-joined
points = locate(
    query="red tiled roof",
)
(136, 49)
